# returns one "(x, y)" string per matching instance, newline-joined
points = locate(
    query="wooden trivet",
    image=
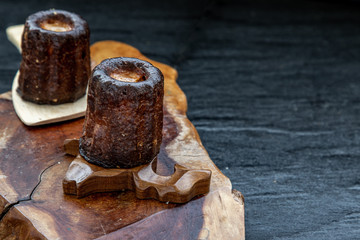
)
(84, 178)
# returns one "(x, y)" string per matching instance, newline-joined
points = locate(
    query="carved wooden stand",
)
(84, 178)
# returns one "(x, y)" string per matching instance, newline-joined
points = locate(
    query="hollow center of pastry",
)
(127, 76)
(56, 25)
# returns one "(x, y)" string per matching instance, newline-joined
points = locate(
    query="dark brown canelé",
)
(124, 116)
(55, 65)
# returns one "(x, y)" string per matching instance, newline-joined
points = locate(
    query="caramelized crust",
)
(124, 118)
(55, 65)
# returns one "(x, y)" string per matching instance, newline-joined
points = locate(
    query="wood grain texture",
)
(83, 178)
(219, 214)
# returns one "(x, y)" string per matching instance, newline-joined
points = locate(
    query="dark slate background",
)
(273, 88)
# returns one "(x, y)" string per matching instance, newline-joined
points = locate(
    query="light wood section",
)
(32, 114)
(14, 34)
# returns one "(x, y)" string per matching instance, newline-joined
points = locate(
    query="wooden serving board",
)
(33, 165)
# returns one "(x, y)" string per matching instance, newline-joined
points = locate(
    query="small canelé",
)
(124, 116)
(55, 65)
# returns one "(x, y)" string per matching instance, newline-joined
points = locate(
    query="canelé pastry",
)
(55, 65)
(124, 116)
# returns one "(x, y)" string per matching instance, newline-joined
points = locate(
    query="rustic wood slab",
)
(33, 114)
(33, 164)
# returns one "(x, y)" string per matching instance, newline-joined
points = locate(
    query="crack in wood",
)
(29, 198)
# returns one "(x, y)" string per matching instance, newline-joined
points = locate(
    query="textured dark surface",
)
(273, 90)
(124, 120)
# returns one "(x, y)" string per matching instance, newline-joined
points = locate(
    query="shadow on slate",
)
(273, 89)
